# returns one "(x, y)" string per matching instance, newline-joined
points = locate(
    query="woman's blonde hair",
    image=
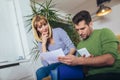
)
(36, 34)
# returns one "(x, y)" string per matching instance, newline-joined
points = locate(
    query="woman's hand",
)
(44, 41)
(44, 38)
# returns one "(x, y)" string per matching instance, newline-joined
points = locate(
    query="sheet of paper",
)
(83, 51)
(52, 56)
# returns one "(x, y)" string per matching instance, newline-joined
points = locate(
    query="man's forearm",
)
(104, 60)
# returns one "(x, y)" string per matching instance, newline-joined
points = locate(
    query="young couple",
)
(102, 44)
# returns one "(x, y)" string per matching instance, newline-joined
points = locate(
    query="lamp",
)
(103, 10)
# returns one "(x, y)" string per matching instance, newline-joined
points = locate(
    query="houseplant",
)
(47, 9)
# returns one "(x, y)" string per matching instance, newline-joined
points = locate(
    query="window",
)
(13, 44)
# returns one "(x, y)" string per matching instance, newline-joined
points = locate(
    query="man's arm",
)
(103, 60)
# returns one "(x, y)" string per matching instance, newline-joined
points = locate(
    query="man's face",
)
(83, 29)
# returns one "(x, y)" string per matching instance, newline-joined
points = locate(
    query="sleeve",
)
(109, 42)
(39, 46)
(65, 38)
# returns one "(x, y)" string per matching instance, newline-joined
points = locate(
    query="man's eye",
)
(82, 28)
(77, 29)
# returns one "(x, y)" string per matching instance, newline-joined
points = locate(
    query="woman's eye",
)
(45, 24)
(39, 27)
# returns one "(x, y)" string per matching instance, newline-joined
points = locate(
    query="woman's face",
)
(42, 27)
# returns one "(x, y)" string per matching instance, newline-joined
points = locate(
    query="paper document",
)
(52, 56)
(83, 52)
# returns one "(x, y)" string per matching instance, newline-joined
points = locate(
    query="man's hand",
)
(69, 60)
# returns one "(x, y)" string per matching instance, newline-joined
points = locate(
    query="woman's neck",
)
(51, 41)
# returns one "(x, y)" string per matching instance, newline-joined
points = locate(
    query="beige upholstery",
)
(47, 78)
(119, 48)
(118, 36)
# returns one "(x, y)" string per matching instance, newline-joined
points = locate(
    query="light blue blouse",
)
(61, 40)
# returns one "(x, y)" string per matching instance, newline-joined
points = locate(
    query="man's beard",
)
(84, 38)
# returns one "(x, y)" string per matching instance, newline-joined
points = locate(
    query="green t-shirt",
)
(100, 42)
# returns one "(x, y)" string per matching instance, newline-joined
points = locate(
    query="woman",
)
(50, 39)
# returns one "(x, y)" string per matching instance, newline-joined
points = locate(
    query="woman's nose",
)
(43, 26)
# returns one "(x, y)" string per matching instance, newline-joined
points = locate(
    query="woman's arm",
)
(44, 49)
(43, 45)
(67, 41)
(72, 51)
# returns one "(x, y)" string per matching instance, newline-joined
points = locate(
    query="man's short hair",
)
(82, 15)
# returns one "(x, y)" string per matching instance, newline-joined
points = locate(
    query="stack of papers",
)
(83, 52)
(52, 56)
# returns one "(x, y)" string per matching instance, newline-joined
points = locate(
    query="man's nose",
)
(80, 32)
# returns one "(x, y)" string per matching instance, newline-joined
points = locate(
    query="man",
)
(102, 44)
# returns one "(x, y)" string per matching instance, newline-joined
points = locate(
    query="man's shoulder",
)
(107, 31)
(102, 30)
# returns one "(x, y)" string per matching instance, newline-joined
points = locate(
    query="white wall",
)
(10, 39)
(14, 39)
(111, 21)
(26, 11)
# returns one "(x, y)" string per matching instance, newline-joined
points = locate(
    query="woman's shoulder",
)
(58, 29)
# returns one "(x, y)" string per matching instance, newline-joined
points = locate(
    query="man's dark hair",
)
(82, 15)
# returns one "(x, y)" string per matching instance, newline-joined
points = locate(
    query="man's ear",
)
(91, 24)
